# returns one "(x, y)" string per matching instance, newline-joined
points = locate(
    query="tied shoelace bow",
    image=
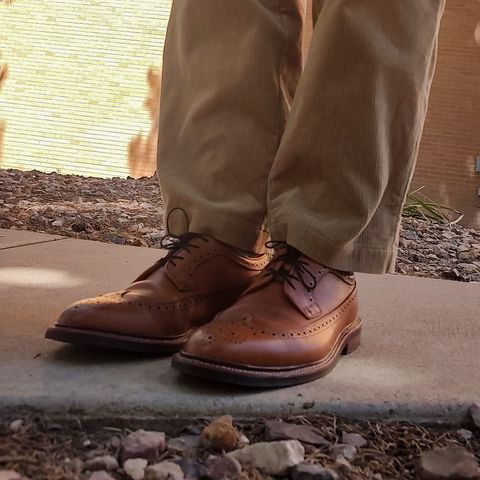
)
(178, 244)
(291, 257)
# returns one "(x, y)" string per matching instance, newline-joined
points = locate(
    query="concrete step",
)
(418, 359)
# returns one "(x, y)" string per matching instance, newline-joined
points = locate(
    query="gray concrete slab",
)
(418, 361)
(20, 238)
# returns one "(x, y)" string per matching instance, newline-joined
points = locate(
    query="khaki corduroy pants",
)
(319, 153)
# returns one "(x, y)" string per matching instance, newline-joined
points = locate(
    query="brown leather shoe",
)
(289, 327)
(158, 312)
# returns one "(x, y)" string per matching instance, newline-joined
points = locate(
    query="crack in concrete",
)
(34, 243)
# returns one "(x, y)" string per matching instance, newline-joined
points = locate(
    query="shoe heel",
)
(353, 342)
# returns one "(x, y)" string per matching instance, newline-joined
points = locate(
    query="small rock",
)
(57, 223)
(243, 441)
(273, 458)
(464, 435)
(287, 431)
(100, 475)
(409, 234)
(106, 462)
(309, 471)
(186, 443)
(143, 444)
(220, 434)
(135, 468)
(222, 468)
(475, 413)
(455, 463)
(76, 465)
(343, 465)
(164, 471)
(192, 469)
(354, 439)
(16, 425)
(9, 475)
(349, 452)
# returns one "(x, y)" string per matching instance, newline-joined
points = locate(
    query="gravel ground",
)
(129, 212)
(40, 448)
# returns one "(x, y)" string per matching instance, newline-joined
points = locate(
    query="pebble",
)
(9, 475)
(135, 468)
(349, 452)
(354, 439)
(475, 413)
(309, 471)
(464, 435)
(220, 468)
(276, 430)
(184, 444)
(273, 458)
(100, 475)
(164, 471)
(220, 434)
(143, 444)
(454, 463)
(106, 462)
(16, 425)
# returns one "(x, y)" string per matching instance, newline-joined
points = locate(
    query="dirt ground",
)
(43, 448)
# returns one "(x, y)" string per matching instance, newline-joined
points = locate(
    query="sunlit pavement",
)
(419, 359)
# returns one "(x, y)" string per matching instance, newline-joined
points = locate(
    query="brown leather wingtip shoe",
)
(159, 311)
(289, 327)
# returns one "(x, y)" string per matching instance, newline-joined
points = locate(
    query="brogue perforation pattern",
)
(231, 333)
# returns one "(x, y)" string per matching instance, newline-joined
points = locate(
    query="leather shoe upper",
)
(197, 279)
(291, 315)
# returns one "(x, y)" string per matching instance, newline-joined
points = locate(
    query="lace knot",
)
(291, 266)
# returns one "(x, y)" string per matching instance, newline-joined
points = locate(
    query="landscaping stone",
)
(221, 468)
(349, 452)
(184, 444)
(106, 462)
(192, 469)
(16, 425)
(275, 430)
(135, 468)
(354, 439)
(308, 471)
(9, 475)
(454, 463)
(142, 444)
(164, 471)
(464, 435)
(100, 475)
(273, 458)
(475, 413)
(220, 435)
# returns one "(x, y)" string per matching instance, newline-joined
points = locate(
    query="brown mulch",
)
(47, 449)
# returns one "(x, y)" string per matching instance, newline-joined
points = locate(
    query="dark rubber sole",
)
(347, 343)
(114, 341)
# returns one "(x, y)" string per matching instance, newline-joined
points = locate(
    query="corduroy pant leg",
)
(230, 70)
(346, 159)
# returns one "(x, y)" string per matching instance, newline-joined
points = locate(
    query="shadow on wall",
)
(142, 152)
(3, 77)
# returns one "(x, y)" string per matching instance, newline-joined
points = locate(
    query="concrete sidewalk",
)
(419, 359)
